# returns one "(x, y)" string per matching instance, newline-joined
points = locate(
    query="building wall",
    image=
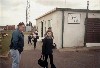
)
(3, 27)
(73, 33)
(28, 28)
(57, 29)
(55, 19)
(8, 27)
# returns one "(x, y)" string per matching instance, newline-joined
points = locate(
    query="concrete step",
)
(96, 48)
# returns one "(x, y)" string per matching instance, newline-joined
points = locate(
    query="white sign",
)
(73, 18)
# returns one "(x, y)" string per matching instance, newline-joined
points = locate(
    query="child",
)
(47, 48)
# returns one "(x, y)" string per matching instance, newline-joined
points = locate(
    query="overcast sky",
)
(13, 11)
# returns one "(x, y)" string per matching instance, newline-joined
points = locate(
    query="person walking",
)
(49, 29)
(47, 49)
(29, 39)
(34, 40)
(17, 44)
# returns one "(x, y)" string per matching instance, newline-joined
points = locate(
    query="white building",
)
(68, 26)
(28, 28)
(1, 29)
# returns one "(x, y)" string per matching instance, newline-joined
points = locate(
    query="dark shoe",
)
(53, 66)
(46, 65)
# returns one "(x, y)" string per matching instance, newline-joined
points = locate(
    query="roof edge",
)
(68, 9)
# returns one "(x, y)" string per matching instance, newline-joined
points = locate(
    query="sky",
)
(14, 11)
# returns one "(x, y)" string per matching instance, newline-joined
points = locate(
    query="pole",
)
(86, 23)
(62, 26)
(65, 3)
(28, 12)
(87, 9)
(26, 15)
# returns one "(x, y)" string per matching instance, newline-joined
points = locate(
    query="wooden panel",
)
(93, 30)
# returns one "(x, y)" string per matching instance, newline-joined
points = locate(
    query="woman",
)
(47, 48)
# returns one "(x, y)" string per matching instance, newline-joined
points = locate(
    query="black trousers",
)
(29, 41)
(51, 60)
(35, 44)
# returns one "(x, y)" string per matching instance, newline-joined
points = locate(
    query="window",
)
(45, 26)
(49, 23)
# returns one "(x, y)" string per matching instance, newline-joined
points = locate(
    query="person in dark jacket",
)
(47, 49)
(17, 44)
(29, 39)
(49, 29)
(34, 40)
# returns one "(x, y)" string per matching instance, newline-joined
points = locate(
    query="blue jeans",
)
(15, 58)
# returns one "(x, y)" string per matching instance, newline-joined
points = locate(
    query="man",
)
(17, 44)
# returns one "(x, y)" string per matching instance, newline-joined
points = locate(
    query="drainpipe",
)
(62, 26)
(86, 24)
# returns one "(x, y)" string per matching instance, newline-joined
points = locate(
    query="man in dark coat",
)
(49, 29)
(47, 48)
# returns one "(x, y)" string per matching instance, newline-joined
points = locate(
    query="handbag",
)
(42, 62)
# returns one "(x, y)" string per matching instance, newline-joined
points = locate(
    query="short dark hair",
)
(49, 28)
(21, 23)
(49, 31)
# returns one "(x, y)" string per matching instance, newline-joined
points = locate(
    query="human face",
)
(22, 28)
(49, 29)
(49, 34)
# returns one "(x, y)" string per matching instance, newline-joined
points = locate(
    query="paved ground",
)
(62, 59)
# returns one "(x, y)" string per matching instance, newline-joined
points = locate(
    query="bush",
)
(5, 43)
